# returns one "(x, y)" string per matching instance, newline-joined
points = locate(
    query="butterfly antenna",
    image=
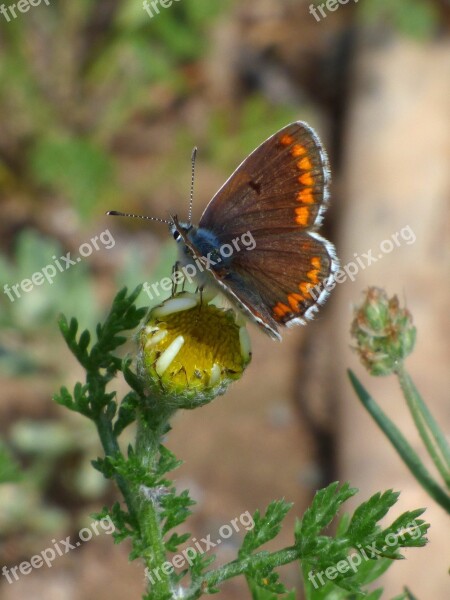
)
(116, 213)
(191, 195)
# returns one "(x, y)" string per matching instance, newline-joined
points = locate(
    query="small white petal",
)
(244, 339)
(169, 355)
(151, 329)
(156, 338)
(174, 305)
(215, 375)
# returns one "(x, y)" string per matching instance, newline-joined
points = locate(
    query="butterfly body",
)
(204, 241)
(200, 249)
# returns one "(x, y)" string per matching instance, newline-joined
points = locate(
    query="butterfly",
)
(268, 212)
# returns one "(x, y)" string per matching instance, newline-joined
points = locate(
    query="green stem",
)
(399, 442)
(151, 426)
(154, 552)
(111, 448)
(142, 510)
(257, 561)
(436, 445)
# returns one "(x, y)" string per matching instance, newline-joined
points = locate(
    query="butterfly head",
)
(179, 229)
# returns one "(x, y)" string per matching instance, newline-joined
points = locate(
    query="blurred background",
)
(100, 106)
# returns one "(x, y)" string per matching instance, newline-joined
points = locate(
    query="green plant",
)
(28, 320)
(9, 469)
(385, 336)
(415, 18)
(75, 104)
(36, 310)
(152, 508)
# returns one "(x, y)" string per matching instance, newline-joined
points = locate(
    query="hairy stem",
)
(152, 424)
(237, 567)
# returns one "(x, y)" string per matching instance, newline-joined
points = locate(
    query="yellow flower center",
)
(189, 346)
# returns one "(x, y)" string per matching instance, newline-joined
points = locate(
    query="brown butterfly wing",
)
(278, 194)
(281, 185)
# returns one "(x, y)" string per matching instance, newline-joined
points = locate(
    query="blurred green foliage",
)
(27, 325)
(72, 75)
(42, 456)
(257, 120)
(37, 309)
(79, 169)
(416, 18)
(133, 270)
(9, 469)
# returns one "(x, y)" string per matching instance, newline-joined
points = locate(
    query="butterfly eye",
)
(176, 235)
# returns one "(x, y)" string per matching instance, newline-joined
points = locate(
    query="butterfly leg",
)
(175, 279)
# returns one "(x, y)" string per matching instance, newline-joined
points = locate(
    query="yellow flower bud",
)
(190, 351)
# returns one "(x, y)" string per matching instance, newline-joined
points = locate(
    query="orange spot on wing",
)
(298, 150)
(305, 164)
(280, 310)
(294, 300)
(312, 275)
(286, 140)
(306, 179)
(306, 196)
(316, 262)
(304, 287)
(302, 217)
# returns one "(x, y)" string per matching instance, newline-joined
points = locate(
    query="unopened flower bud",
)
(383, 331)
(190, 351)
